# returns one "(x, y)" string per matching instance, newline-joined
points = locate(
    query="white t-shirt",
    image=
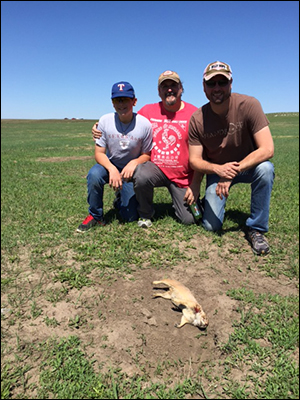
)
(124, 142)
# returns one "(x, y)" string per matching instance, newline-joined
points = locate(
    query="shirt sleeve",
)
(195, 130)
(257, 119)
(147, 144)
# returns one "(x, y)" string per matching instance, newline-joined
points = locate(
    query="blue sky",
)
(60, 58)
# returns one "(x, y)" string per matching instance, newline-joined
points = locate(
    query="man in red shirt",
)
(169, 166)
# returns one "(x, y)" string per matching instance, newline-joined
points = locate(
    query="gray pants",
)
(146, 177)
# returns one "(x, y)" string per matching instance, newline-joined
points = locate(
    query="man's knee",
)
(141, 174)
(265, 171)
(212, 226)
(187, 219)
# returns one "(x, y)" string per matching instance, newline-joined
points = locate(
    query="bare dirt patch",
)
(121, 325)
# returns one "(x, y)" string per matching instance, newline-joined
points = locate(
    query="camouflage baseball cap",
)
(168, 75)
(217, 68)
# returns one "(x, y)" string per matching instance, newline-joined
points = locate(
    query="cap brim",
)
(170, 79)
(122, 95)
(226, 74)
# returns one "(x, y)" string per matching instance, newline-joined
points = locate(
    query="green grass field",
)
(43, 199)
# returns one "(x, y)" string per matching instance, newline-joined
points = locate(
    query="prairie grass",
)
(43, 199)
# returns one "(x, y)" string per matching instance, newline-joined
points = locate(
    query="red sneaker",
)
(89, 222)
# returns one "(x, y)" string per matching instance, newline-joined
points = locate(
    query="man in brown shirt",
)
(230, 141)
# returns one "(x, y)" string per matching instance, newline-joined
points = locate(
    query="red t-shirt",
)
(170, 141)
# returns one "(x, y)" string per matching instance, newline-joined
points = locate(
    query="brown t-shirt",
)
(228, 138)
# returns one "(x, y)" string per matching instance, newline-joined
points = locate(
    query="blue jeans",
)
(127, 205)
(261, 179)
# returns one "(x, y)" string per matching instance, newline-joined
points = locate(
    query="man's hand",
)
(190, 197)
(222, 188)
(228, 170)
(96, 134)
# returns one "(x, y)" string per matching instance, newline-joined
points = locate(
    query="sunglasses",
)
(221, 83)
(121, 99)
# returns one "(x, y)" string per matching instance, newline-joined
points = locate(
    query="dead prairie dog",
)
(183, 298)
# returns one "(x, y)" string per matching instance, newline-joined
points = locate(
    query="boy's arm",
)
(115, 178)
(128, 170)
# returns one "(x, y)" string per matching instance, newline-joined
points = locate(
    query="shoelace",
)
(258, 237)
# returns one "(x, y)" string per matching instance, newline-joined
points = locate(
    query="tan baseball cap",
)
(168, 75)
(217, 68)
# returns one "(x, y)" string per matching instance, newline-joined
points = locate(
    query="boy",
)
(126, 142)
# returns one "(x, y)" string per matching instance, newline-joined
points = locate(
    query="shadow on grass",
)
(237, 218)
(162, 210)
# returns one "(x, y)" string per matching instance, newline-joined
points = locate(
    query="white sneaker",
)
(144, 223)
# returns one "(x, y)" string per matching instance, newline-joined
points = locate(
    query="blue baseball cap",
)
(122, 89)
